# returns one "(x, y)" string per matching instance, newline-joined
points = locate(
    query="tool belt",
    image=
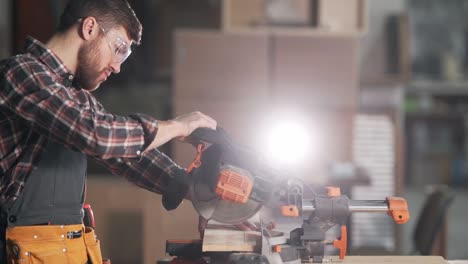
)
(52, 244)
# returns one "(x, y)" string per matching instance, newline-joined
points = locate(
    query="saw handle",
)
(196, 163)
(208, 135)
(203, 135)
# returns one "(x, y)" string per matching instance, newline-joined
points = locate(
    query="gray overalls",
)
(54, 191)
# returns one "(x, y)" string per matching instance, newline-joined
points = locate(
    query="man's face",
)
(100, 57)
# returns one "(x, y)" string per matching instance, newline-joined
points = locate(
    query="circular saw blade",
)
(210, 206)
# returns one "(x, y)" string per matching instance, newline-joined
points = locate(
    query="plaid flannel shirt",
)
(39, 102)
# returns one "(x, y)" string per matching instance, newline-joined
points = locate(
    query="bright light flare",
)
(288, 142)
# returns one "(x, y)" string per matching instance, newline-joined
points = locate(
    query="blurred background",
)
(380, 88)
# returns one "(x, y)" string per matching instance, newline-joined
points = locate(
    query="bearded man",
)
(50, 122)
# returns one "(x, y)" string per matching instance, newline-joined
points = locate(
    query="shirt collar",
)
(48, 57)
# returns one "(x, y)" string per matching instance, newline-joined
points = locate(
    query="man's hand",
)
(194, 120)
(181, 127)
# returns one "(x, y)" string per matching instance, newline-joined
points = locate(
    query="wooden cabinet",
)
(311, 70)
(311, 16)
(315, 71)
(240, 79)
(211, 65)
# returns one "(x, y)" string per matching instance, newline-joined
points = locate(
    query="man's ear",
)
(89, 28)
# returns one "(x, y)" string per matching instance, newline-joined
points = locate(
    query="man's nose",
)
(115, 67)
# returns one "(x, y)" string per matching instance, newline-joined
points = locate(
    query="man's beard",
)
(88, 72)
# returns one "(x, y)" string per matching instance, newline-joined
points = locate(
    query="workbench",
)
(384, 260)
(395, 259)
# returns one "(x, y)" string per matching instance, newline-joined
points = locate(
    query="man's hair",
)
(110, 13)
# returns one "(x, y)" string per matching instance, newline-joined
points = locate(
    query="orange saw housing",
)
(234, 186)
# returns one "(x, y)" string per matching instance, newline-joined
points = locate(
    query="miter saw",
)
(230, 184)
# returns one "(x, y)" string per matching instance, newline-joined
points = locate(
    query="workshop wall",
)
(374, 45)
(430, 111)
(132, 224)
(33, 17)
(5, 29)
(229, 84)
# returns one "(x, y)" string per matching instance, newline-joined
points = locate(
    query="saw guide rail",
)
(231, 184)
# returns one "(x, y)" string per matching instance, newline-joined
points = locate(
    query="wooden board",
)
(216, 240)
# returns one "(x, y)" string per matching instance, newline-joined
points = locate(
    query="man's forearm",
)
(167, 130)
(153, 170)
